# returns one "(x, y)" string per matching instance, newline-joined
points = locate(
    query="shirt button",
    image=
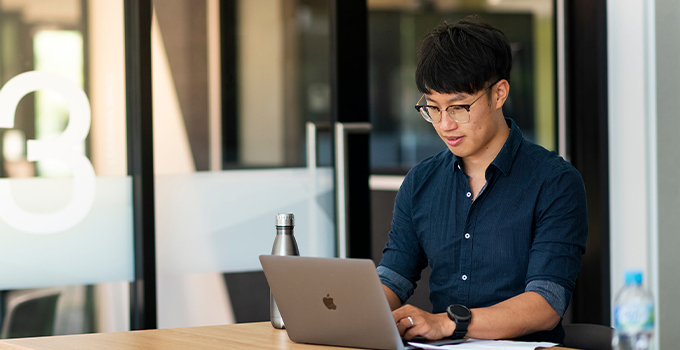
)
(464, 277)
(467, 235)
(468, 194)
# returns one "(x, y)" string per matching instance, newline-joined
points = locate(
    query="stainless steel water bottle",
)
(284, 244)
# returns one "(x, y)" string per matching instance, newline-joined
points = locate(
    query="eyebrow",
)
(449, 101)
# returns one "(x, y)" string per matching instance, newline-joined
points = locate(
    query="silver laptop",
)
(332, 302)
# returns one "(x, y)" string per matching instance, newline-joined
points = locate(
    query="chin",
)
(457, 152)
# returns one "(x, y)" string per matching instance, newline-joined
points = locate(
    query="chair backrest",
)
(588, 336)
(31, 314)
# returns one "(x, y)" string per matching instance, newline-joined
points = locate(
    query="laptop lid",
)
(331, 301)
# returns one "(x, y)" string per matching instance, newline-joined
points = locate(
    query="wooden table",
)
(244, 336)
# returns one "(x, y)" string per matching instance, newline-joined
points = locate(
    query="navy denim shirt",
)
(525, 231)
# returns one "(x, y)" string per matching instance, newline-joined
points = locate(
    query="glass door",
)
(243, 122)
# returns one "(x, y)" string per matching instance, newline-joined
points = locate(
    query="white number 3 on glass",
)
(62, 148)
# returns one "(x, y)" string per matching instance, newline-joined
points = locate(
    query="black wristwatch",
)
(462, 316)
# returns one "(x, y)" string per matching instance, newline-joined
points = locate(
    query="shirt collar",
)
(507, 154)
(503, 160)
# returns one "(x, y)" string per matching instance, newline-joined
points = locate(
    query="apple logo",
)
(328, 301)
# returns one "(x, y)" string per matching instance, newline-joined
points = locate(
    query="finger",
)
(411, 332)
(411, 321)
(403, 325)
(423, 329)
(401, 328)
(403, 312)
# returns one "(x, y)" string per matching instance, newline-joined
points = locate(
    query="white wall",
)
(667, 244)
(628, 139)
(644, 167)
(107, 87)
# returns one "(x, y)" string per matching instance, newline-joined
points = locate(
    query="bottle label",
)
(635, 316)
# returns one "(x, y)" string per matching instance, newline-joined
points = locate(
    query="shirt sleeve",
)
(403, 257)
(557, 296)
(402, 287)
(560, 236)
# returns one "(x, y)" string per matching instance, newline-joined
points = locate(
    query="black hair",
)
(462, 57)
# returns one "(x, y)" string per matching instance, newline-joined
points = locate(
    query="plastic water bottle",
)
(284, 244)
(633, 315)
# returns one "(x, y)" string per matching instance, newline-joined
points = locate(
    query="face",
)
(484, 135)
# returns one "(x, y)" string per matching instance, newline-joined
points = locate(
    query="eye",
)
(456, 109)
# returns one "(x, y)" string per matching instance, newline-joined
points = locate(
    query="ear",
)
(502, 91)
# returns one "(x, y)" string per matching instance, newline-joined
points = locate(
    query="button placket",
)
(466, 244)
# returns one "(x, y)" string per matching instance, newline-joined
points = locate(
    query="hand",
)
(425, 324)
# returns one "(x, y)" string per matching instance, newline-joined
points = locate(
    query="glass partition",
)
(234, 83)
(65, 197)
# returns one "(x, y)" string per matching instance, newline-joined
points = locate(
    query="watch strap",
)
(461, 330)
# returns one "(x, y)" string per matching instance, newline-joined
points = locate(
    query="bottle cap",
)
(633, 277)
(287, 220)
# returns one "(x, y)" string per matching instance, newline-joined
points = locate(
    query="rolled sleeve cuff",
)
(556, 295)
(399, 284)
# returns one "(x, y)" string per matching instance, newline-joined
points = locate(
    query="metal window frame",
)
(581, 66)
(350, 105)
(139, 108)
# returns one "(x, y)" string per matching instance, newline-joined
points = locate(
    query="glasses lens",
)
(425, 112)
(459, 114)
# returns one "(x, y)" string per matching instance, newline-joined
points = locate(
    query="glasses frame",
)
(428, 118)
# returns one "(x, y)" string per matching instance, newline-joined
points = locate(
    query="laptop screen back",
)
(331, 301)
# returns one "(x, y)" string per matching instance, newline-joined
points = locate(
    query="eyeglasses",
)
(459, 113)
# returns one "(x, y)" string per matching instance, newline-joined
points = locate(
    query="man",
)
(501, 221)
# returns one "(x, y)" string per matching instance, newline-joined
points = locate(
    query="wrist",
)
(449, 325)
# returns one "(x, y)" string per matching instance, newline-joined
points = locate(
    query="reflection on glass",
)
(59, 52)
(400, 137)
(283, 82)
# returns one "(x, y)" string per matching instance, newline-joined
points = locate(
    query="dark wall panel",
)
(587, 126)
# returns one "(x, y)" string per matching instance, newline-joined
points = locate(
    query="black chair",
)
(31, 314)
(588, 336)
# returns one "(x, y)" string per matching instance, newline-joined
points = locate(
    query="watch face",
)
(460, 311)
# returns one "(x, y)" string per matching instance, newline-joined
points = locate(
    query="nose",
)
(447, 123)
